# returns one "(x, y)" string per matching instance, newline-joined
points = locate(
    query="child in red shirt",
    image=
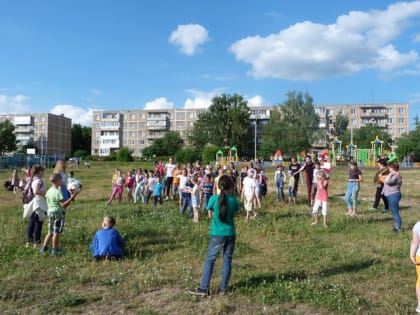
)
(321, 199)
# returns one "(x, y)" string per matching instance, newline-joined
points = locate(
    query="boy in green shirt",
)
(56, 214)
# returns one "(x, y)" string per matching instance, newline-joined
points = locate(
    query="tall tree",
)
(292, 126)
(409, 144)
(340, 125)
(224, 124)
(7, 137)
(363, 136)
(81, 138)
(168, 145)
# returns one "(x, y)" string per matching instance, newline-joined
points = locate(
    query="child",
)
(321, 198)
(415, 259)
(248, 194)
(222, 236)
(187, 198)
(317, 169)
(207, 189)
(56, 205)
(157, 191)
(279, 179)
(129, 183)
(118, 183)
(14, 181)
(195, 198)
(140, 183)
(150, 186)
(290, 187)
(107, 243)
(183, 178)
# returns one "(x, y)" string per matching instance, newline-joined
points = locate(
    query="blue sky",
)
(75, 56)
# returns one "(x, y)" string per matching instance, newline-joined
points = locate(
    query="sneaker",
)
(418, 309)
(198, 291)
(384, 211)
(36, 245)
(57, 251)
(373, 209)
(28, 245)
(43, 250)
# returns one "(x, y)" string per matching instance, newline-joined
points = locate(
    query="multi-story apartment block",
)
(138, 129)
(50, 134)
(393, 118)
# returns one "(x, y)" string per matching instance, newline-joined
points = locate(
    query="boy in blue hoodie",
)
(107, 243)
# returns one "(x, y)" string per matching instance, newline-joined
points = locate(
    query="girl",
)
(280, 179)
(14, 181)
(183, 178)
(321, 199)
(60, 168)
(415, 259)
(222, 236)
(139, 191)
(118, 183)
(129, 183)
(195, 198)
(248, 194)
(291, 188)
(39, 203)
(392, 192)
(353, 188)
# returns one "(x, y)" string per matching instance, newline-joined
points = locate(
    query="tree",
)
(81, 138)
(409, 144)
(363, 136)
(186, 155)
(340, 125)
(7, 137)
(226, 123)
(209, 154)
(168, 145)
(124, 155)
(293, 126)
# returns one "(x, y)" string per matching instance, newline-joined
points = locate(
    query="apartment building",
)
(138, 129)
(49, 134)
(392, 117)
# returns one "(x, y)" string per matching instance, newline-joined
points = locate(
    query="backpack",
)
(28, 193)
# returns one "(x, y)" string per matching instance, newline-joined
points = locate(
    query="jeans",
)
(186, 197)
(394, 205)
(217, 243)
(280, 193)
(352, 192)
(206, 198)
(139, 192)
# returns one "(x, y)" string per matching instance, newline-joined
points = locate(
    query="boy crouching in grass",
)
(107, 243)
(56, 205)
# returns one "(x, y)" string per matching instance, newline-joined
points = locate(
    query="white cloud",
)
(189, 37)
(311, 51)
(77, 114)
(200, 99)
(13, 104)
(256, 101)
(159, 103)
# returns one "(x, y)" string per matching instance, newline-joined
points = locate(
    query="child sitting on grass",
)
(56, 205)
(107, 243)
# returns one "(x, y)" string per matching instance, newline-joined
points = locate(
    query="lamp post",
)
(255, 138)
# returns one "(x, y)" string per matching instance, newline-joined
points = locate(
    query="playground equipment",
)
(277, 157)
(232, 157)
(336, 152)
(233, 154)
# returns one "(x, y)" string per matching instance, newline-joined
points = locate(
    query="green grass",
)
(282, 264)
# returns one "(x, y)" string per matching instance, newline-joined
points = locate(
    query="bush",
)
(124, 155)
(186, 155)
(209, 154)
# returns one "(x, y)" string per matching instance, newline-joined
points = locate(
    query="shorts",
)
(249, 204)
(195, 202)
(56, 222)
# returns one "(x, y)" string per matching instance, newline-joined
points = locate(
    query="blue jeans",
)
(394, 205)
(186, 197)
(217, 243)
(352, 192)
(280, 193)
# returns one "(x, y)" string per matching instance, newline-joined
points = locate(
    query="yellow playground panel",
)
(232, 156)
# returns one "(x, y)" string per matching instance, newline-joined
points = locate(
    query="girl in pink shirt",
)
(129, 183)
(321, 198)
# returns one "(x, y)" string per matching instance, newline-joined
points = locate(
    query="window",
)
(133, 134)
(98, 117)
(389, 110)
(353, 121)
(353, 111)
(143, 116)
(401, 110)
(133, 116)
(180, 115)
(191, 115)
(401, 130)
(400, 120)
(389, 120)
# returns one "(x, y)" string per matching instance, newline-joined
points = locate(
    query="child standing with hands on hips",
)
(56, 214)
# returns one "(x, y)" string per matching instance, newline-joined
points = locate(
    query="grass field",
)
(281, 265)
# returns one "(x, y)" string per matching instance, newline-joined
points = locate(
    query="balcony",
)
(158, 125)
(370, 114)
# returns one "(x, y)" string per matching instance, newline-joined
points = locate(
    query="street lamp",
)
(255, 137)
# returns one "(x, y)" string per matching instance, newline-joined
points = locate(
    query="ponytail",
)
(225, 184)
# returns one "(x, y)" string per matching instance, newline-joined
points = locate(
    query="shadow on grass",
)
(347, 268)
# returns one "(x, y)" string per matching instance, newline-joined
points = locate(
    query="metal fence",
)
(24, 161)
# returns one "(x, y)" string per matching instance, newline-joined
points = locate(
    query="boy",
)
(207, 189)
(107, 243)
(157, 191)
(56, 205)
(150, 186)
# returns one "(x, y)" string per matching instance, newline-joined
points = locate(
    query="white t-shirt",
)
(182, 181)
(170, 169)
(315, 175)
(249, 186)
(38, 181)
(416, 229)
